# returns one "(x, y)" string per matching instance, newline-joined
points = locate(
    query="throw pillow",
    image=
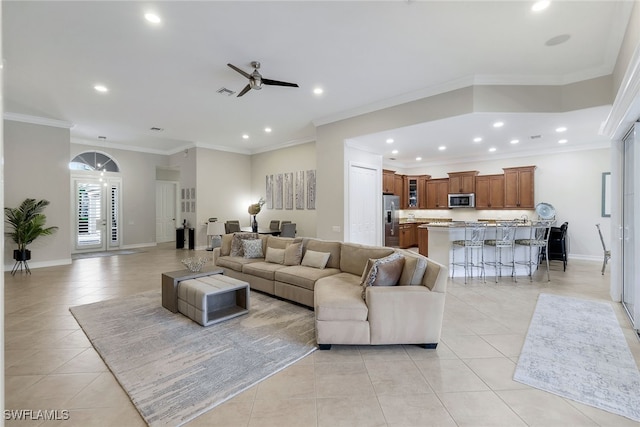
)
(236, 243)
(293, 254)
(384, 272)
(315, 259)
(252, 248)
(276, 256)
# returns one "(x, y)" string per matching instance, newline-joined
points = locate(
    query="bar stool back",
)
(473, 244)
(504, 242)
(538, 240)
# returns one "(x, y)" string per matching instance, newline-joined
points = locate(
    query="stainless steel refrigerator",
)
(391, 220)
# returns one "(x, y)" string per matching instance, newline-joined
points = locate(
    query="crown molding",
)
(107, 145)
(35, 120)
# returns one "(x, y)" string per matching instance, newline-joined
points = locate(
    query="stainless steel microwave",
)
(462, 200)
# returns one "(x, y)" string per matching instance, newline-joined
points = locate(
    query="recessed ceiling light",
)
(563, 141)
(390, 141)
(245, 136)
(514, 141)
(318, 91)
(477, 139)
(394, 152)
(442, 148)
(267, 130)
(152, 17)
(492, 149)
(418, 158)
(498, 124)
(561, 129)
(540, 5)
(101, 88)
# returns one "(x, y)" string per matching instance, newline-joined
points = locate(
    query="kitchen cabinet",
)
(462, 182)
(388, 181)
(423, 241)
(519, 187)
(490, 192)
(437, 193)
(399, 188)
(415, 189)
(408, 235)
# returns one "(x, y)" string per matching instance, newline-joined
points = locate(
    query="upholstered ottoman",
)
(212, 299)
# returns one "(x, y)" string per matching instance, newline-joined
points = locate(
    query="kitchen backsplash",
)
(465, 214)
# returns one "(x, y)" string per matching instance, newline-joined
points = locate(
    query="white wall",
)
(36, 165)
(292, 159)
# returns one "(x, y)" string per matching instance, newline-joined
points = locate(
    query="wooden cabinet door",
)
(423, 241)
(398, 187)
(411, 192)
(388, 181)
(490, 192)
(437, 193)
(462, 182)
(519, 187)
(422, 191)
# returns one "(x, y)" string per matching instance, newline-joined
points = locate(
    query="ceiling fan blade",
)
(247, 75)
(246, 89)
(277, 83)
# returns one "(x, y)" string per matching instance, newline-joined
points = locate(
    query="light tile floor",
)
(467, 381)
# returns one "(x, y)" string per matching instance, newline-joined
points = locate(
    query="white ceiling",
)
(365, 55)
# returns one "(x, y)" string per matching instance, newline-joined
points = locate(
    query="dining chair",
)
(274, 224)
(232, 226)
(288, 230)
(607, 252)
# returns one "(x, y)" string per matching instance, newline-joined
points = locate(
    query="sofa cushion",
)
(414, 267)
(235, 262)
(305, 277)
(353, 256)
(252, 248)
(293, 254)
(325, 246)
(279, 242)
(337, 298)
(236, 243)
(315, 259)
(274, 255)
(384, 272)
(266, 270)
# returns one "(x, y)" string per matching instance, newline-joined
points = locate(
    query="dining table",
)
(273, 232)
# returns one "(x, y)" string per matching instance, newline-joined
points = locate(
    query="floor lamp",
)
(214, 231)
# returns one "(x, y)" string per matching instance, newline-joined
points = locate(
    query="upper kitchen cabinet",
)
(388, 181)
(414, 188)
(518, 187)
(399, 188)
(490, 192)
(437, 193)
(462, 182)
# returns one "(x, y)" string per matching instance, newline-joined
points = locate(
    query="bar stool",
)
(504, 242)
(474, 233)
(538, 239)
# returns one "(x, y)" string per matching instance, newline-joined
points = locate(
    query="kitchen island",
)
(441, 234)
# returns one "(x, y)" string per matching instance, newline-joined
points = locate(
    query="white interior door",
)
(165, 211)
(364, 204)
(630, 231)
(96, 213)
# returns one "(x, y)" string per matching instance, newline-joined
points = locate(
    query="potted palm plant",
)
(25, 224)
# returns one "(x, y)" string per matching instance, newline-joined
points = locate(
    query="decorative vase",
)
(254, 225)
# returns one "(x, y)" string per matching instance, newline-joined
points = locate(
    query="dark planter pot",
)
(19, 255)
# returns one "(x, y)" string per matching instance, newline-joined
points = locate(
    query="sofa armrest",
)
(404, 314)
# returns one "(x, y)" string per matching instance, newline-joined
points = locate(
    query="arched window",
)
(94, 161)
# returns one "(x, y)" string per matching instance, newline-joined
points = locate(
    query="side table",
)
(170, 282)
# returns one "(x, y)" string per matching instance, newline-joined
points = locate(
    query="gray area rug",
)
(576, 349)
(174, 369)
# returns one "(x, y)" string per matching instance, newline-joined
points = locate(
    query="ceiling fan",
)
(256, 80)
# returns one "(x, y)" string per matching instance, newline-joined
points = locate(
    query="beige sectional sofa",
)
(410, 312)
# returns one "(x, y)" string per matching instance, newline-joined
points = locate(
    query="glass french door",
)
(97, 213)
(630, 204)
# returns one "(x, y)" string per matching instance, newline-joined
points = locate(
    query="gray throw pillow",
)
(236, 243)
(384, 272)
(252, 248)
